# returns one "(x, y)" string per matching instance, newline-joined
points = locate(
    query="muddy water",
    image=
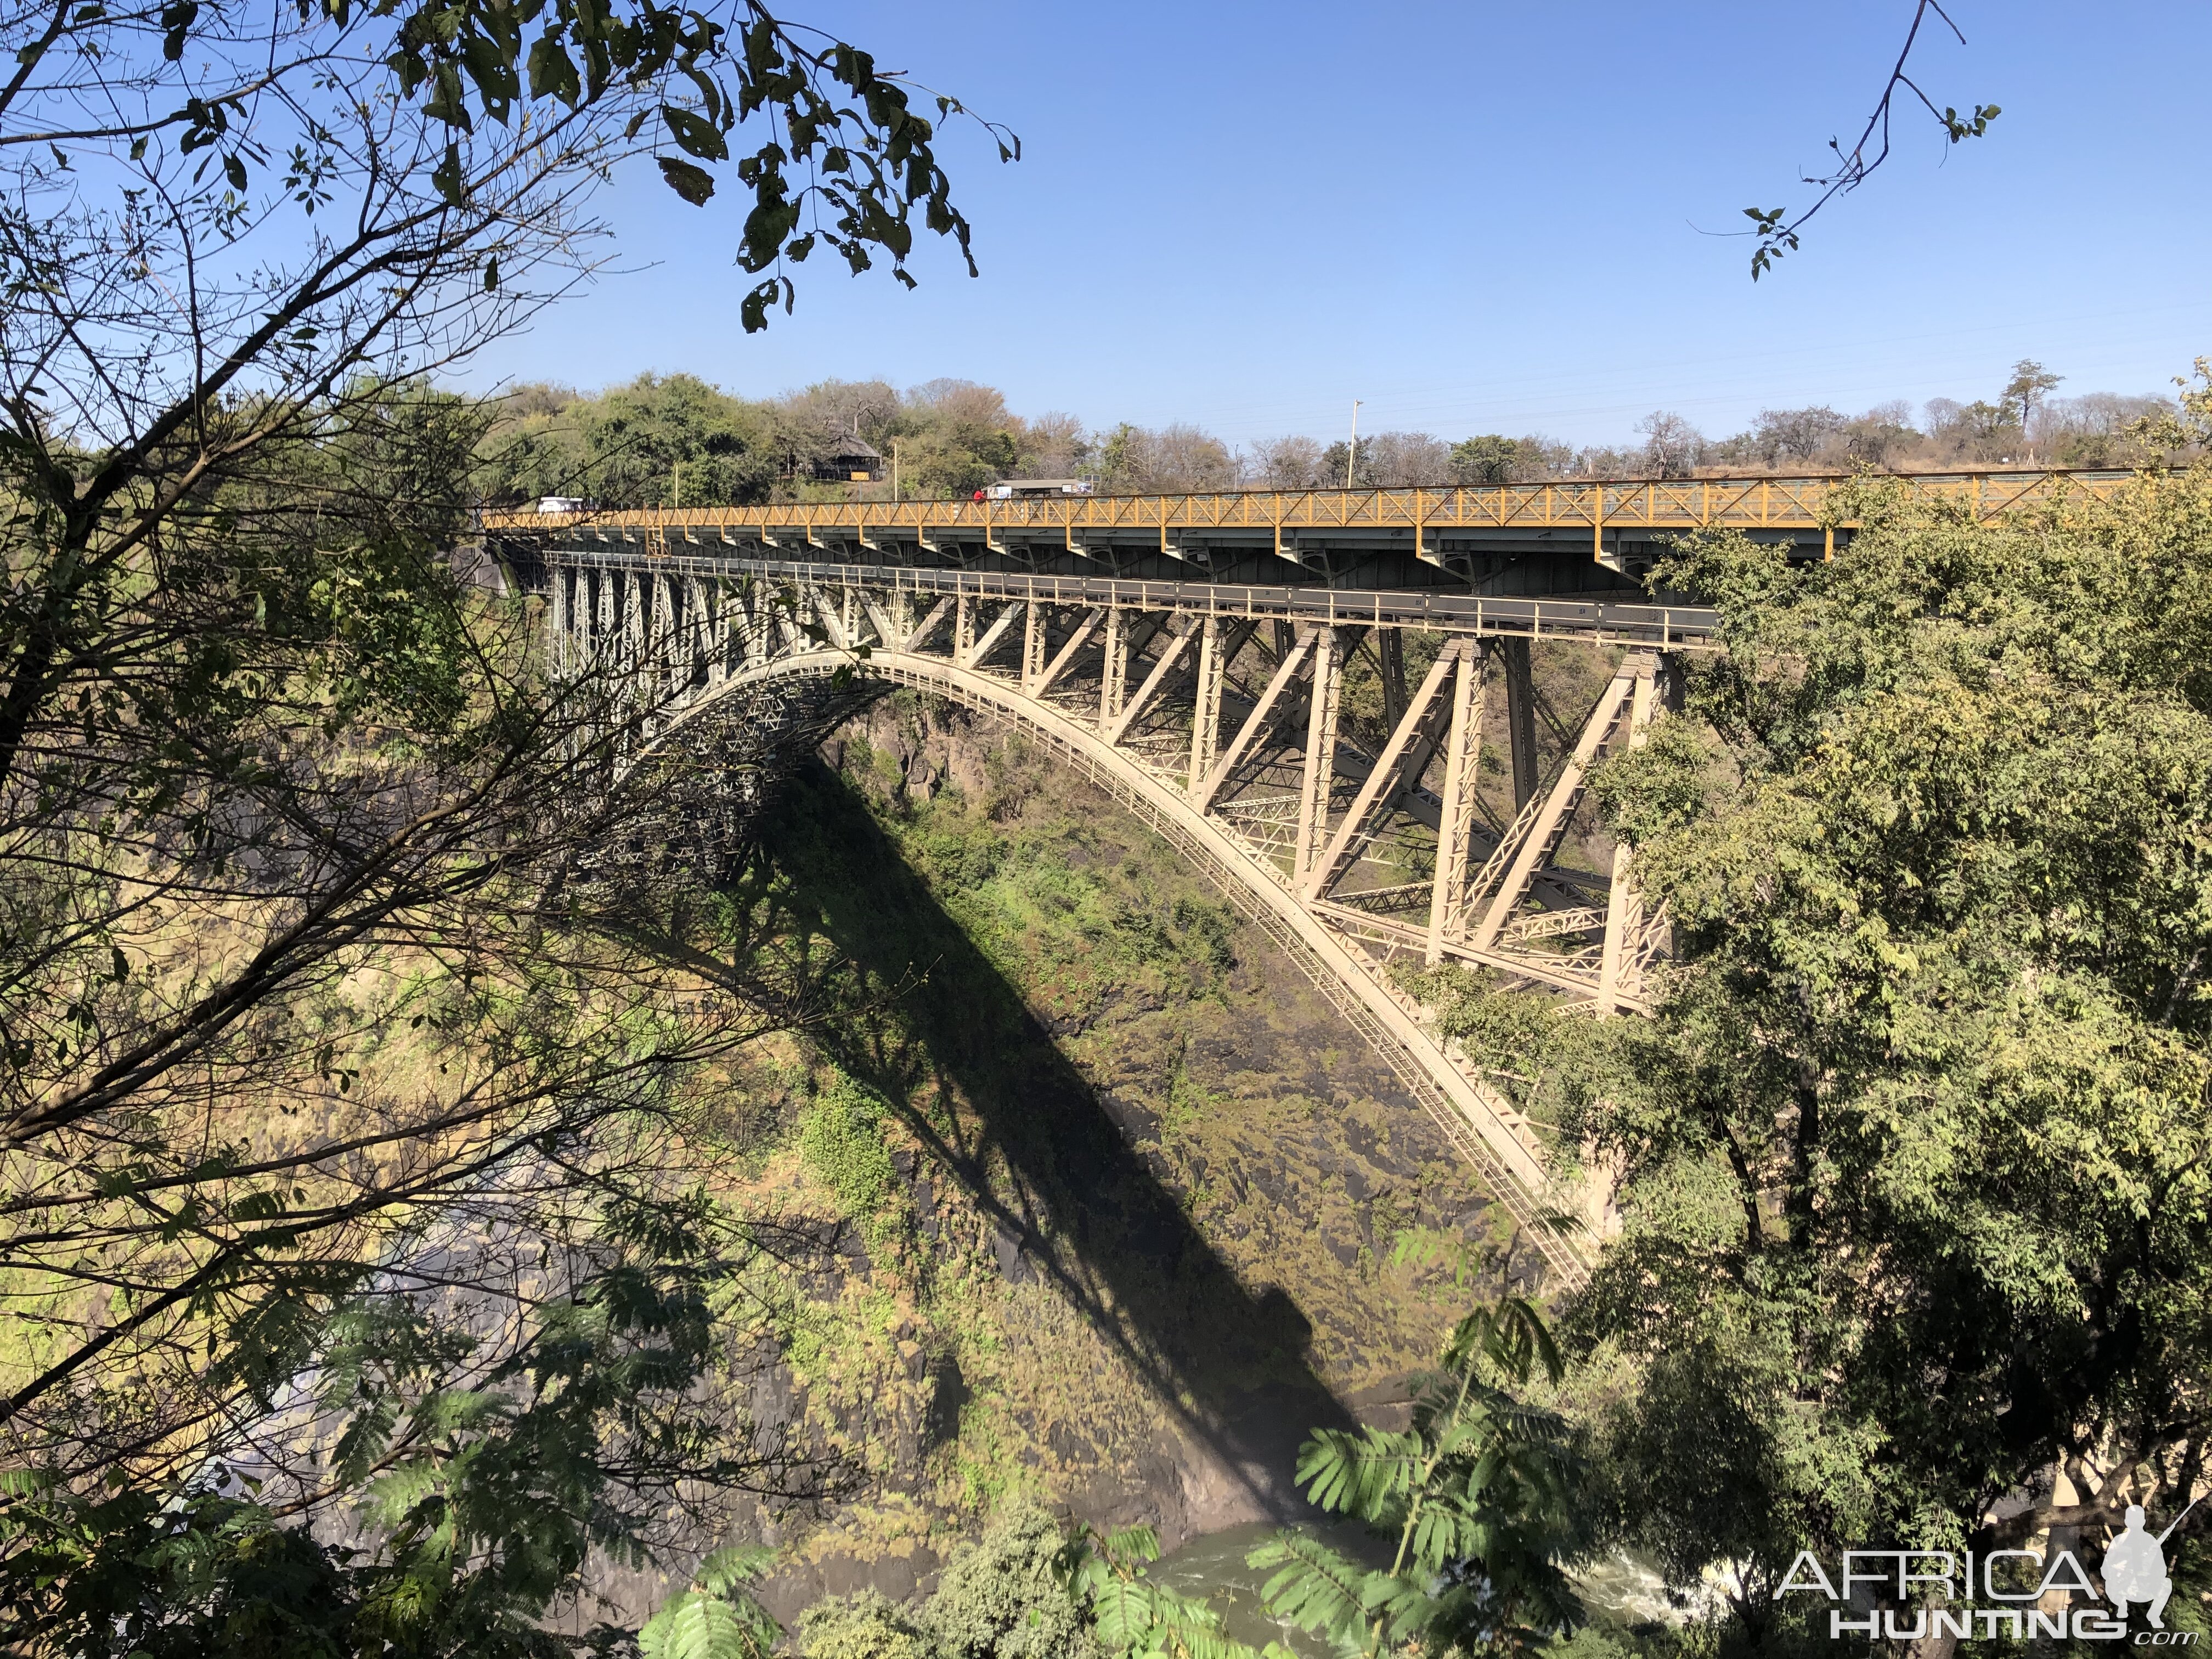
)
(1618, 1588)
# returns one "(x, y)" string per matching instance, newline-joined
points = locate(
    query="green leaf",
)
(1316, 1588)
(177, 18)
(694, 184)
(696, 1626)
(447, 176)
(695, 134)
(552, 71)
(725, 1570)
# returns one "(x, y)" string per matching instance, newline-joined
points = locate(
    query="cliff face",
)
(1117, 1185)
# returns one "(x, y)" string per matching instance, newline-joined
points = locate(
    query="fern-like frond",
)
(696, 1625)
(1315, 1588)
(1367, 1473)
(1123, 1610)
(726, 1568)
(1134, 1543)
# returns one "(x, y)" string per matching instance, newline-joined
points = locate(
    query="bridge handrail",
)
(1800, 502)
(1674, 628)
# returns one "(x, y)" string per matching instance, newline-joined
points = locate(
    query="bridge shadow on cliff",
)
(1032, 1143)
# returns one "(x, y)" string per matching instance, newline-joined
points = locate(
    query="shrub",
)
(864, 1625)
(842, 1141)
(1002, 1598)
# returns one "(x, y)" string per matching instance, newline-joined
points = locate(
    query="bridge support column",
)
(1032, 645)
(964, 630)
(752, 618)
(632, 599)
(1624, 909)
(1520, 719)
(661, 641)
(1114, 675)
(1320, 778)
(1048, 674)
(1206, 716)
(556, 621)
(697, 640)
(1256, 725)
(1456, 828)
(1391, 657)
(718, 630)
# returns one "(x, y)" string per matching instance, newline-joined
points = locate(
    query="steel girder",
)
(1233, 733)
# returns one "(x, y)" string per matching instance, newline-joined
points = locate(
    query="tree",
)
(1478, 1497)
(2030, 381)
(1672, 446)
(1977, 431)
(1777, 229)
(717, 1618)
(342, 1094)
(1178, 457)
(2097, 428)
(1400, 461)
(1485, 460)
(633, 446)
(1292, 462)
(864, 1625)
(343, 1117)
(1005, 1595)
(1913, 1155)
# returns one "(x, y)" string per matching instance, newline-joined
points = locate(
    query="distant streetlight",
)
(1352, 455)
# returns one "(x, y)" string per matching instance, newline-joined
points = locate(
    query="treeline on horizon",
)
(674, 440)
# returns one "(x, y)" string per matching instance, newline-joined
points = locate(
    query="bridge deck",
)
(1591, 536)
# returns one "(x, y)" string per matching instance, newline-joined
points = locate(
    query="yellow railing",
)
(1800, 503)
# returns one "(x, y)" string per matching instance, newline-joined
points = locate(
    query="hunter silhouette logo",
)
(2135, 1566)
(2009, 1595)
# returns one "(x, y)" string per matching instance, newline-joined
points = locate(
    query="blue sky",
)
(1476, 217)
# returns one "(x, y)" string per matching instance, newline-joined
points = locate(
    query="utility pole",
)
(676, 490)
(895, 461)
(1352, 455)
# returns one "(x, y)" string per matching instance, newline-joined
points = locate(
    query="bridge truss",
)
(1217, 713)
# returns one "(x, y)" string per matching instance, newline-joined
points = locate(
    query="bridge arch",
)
(1211, 710)
(1479, 1125)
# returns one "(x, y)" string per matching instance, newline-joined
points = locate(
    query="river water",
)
(1618, 1590)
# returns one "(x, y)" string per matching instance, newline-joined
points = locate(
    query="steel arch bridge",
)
(1220, 729)
(1188, 654)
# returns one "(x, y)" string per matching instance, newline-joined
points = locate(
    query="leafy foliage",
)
(483, 1493)
(1004, 1596)
(1479, 1492)
(1914, 1157)
(863, 1626)
(715, 1619)
(1135, 1618)
(1777, 229)
(841, 1139)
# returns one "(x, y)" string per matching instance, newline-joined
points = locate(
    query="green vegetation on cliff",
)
(1122, 1186)
(1913, 1158)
